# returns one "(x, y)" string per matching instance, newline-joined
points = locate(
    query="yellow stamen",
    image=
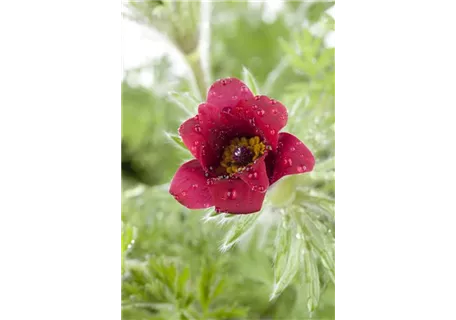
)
(253, 144)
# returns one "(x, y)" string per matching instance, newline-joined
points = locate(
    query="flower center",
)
(240, 153)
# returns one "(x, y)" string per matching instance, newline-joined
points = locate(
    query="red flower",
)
(238, 149)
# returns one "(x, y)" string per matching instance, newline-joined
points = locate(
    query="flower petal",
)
(189, 186)
(291, 157)
(265, 116)
(235, 196)
(228, 92)
(255, 175)
(192, 136)
(219, 126)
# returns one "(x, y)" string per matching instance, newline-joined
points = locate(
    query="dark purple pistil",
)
(242, 156)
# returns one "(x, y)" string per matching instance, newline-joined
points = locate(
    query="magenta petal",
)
(228, 92)
(189, 186)
(268, 116)
(256, 176)
(292, 157)
(218, 126)
(235, 196)
(192, 136)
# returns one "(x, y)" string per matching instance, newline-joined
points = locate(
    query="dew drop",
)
(292, 149)
(234, 97)
(195, 186)
(197, 128)
(252, 121)
(273, 101)
(206, 205)
(257, 98)
(254, 107)
(224, 82)
(283, 117)
(261, 188)
(196, 143)
(253, 175)
(254, 188)
(274, 111)
(260, 112)
(302, 155)
(193, 148)
(183, 193)
(231, 194)
(226, 110)
(301, 168)
(244, 89)
(288, 162)
(272, 131)
(298, 143)
(213, 93)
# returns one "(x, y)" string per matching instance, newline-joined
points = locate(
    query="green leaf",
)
(289, 246)
(250, 81)
(127, 240)
(176, 140)
(240, 225)
(321, 241)
(185, 101)
(228, 313)
(311, 279)
(204, 286)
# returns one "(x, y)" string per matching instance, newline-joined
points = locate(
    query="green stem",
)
(193, 60)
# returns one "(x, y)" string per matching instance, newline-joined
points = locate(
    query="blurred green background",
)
(172, 267)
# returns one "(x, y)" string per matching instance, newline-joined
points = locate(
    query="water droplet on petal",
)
(257, 98)
(253, 175)
(244, 89)
(287, 162)
(292, 149)
(231, 194)
(197, 128)
(273, 101)
(194, 186)
(254, 188)
(301, 168)
(184, 194)
(260, 112)
(226, 110)
(206, 205)
(254, 107)
(298, 143)
(261, 188)
(223, 82)
(274, 111)
(234, 97)
(272, 131)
